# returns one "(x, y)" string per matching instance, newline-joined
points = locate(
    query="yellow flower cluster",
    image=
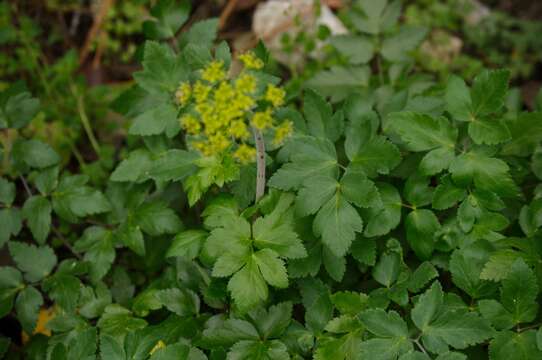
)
(275, 95)
(251, 61)
(214, 72)
(218, 112)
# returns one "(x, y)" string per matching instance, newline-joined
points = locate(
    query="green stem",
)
(260, 163)
(84, 119)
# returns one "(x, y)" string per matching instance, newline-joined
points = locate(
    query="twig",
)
(65, 242)
(225, 15)
(260, 163)
(95, 29)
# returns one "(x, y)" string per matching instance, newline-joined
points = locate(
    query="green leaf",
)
(172, 352)
(162, 69)
(156, 218)
(37, 212)
(187, 243)
(318, 114)
(10, 224)
(117, 322)
(154, 121)
(436, 160)
(170, 16)
(377, 16)
(357, 49)
(7, 192)
(248, 287)
(132, 237)
(111, 349)
(28, 306)
(359, 190)
(490, 132)
(421, 226)
(421, 276)
(334, 265)
(229, 332)
(317, 303)
(173, 165)
(364, 251)
(11, 281)
(309, 157)
(493, 311)
(398, 47)
(377, 156)
(427, 306)
(447, 194)
(64, 290)
(271, 267)
(513, 345)
(385, 349)
(349, 302)
(340, 81)
(36, 154)
(73, 199)
(386, 271)
(382, 219)
(273, 323)
(337, 222)
(487, 173)
(183, 302)
(489, 91)
(133, 168)
(97, 243)
(519, 292)
(459, 330)
(35, 262)
(384, 325)
(466, 267)
(526, 133)
(47, 180)
(202, 33)
(458, 100)
(423, 132)
(18, 110)
(316, 191)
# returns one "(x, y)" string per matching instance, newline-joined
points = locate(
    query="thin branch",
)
(260, 163)
(225, 15)
(95, 29)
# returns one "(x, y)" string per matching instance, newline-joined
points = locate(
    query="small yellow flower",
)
(191, 124)
(275, 95)
(214, 72)
(245, 84)
(262, 120)
(251, 61)
(218, 142)
(239, 130)
(183, 93)
(224, 93)
(200, 146)
(283, 131)
(245, 154)
(201, 92)
(243, 102)
(159, 345)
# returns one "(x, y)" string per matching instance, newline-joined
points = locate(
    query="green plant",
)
(404, 224)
